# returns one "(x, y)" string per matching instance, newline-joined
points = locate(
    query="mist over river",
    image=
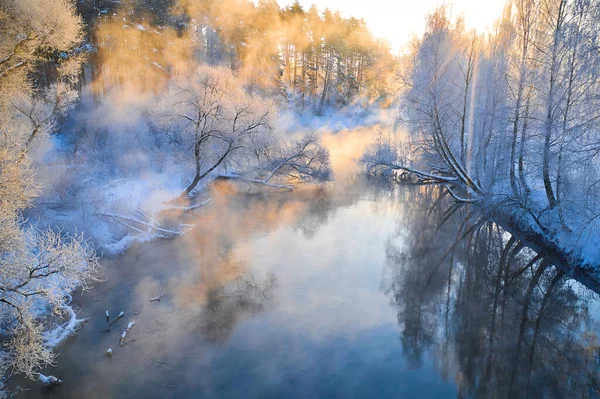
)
(359, 288)
(240, 199)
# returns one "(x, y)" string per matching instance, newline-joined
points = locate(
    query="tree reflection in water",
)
(271, 299)
(223, 284)
(226, 304)
(495, 316)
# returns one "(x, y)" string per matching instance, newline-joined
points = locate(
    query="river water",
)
(358, 289)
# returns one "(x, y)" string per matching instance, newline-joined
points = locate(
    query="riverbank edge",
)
(573, 265)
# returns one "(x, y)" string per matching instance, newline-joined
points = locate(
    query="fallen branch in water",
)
(156, 298)
(119, 317)
(458, 198)
(187, 208)
(264, 182)
(61, 332)
(151, 225)
(144, 229)
(124, 335)
(422, 175)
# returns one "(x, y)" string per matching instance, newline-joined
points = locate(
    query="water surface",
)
(358, 289)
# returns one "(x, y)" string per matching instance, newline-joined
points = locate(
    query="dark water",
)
(357, 290)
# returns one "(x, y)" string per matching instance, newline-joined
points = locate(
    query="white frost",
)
(49, 380)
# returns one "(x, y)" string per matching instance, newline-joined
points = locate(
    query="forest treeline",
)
(305, 57)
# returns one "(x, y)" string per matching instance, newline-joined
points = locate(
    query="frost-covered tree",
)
(33, 31)
(225, 131)
(38, 269)
(511, 117)
(283, 163)
(209, 113)
(440, 97)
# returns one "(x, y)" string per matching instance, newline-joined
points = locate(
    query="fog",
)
(281, 205)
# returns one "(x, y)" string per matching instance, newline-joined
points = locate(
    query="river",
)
(361, 288)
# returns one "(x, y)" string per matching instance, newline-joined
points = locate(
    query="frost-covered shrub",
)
(38, 269)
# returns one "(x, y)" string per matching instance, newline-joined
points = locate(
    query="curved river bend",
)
(359, 289)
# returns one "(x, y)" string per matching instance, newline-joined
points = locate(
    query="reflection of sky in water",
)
(318, 278)
(330, 293)
(330, 332)
(327, 329)
(282, 362)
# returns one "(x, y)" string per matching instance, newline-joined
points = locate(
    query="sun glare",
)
(396, 21)
(480, 15)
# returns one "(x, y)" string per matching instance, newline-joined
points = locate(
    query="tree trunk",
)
(522, 180)
(200, 176)
(550, 107)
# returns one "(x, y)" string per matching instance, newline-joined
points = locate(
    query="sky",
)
(394, 20)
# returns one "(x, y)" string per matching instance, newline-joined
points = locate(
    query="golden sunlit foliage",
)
(34, 31)
(313, 59)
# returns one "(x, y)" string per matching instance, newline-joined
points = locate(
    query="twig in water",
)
(124, 335)
(157, 298)
(119, 317)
